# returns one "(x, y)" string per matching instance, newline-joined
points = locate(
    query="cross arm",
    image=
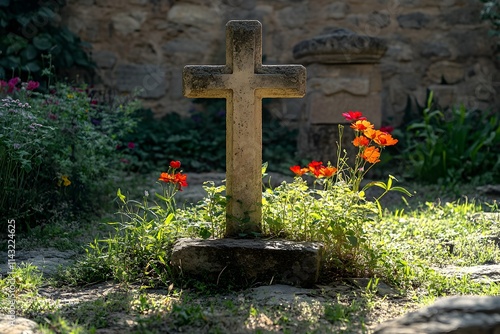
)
(204, 81)
(281, 81)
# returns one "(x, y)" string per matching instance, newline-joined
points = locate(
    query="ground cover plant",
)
(405, 247)
(416, 245)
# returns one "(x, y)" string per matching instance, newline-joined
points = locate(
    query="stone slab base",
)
(244, 262)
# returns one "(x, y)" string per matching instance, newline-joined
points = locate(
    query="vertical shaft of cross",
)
(244, 131)
(243, 82)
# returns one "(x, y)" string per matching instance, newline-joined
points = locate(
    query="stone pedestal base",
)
(319, 142)
(243, 262)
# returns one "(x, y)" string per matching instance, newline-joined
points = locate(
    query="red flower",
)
(353, 116)
(387, 129)
(52, 116)
(32, 85)
(315, 167)
(131, 145)
(298, 171)
(175, 164)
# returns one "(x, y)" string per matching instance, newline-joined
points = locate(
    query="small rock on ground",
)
(460, 315)
(19, 326)
(48, 260)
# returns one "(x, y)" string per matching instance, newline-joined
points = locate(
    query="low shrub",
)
(451, 146)
(57, 150)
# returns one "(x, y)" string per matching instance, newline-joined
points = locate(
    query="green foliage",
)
(57, 151)
(140, 248)
(491, 13)
(452, 146)
(199, 140)
(30, 30)
(334, 215)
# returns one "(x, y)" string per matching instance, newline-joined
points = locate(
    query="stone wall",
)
(438, 45)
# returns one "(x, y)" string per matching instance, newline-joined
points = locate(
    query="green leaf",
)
(376, 184)
(402, 190)
(47, 13)
(353, 240)
(16, 47)
(29, 53)
(67, 35)
(68, 59)
(42, 42)
(13, 62)
(169, 218)
(120, 195)
(389, 182)
(4, 3)
(32, 67)
(23, 20)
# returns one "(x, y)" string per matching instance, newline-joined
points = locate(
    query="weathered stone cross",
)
(243, 82)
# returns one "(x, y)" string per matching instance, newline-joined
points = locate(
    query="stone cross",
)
(243, 82)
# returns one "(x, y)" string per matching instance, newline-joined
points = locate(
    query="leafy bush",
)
(199, 141)
(455, 145)
(56, 149)
(30, 30)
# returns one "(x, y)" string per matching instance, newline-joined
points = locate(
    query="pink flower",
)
(52, 116)
(131, 145)
(32, 85)
(12, 84)
(3, 84)
(93, 102)
(353, 116)
(125, 161)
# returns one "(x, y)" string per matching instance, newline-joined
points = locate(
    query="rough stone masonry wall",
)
(439, 45)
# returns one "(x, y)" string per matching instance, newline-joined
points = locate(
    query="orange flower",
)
(179, 179)
(327, 171)
(371, 154)
(166, 177)
(362, 125)
(371, 133)
(298, 171)
(360, 141)
(385, 139)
